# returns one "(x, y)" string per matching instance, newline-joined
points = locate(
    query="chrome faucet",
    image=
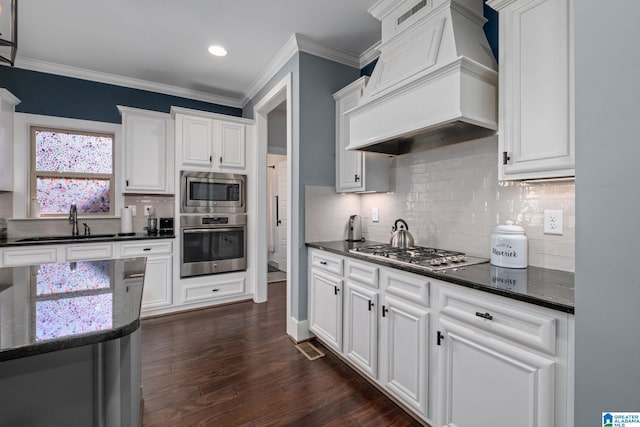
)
(73, 219)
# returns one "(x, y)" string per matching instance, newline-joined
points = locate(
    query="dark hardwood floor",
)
(235, 366)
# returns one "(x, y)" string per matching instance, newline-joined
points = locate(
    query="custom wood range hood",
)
(435, 82)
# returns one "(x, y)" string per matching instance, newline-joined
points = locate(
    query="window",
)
(72, 167)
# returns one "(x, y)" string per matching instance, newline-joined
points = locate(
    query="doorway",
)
(277, 191)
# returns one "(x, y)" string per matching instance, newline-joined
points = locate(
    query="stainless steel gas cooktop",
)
(430, 259)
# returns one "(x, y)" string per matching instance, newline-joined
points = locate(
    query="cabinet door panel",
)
(325, 316)
(232, 144)
(349, 163)
(197, 139)
(157, 290)
(361, 328)
(489, 382)
(145, 153)
(405, 349)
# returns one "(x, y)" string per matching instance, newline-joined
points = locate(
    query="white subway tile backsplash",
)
(451, 198)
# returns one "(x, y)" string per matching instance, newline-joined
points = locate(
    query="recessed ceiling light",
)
(217, 50)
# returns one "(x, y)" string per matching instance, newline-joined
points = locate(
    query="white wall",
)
(451, 198)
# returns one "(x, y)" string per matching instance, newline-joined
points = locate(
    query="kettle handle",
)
(395, 226)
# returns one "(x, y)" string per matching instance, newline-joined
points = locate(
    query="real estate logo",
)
(621, 419)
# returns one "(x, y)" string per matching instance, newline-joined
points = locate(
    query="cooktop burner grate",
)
(431, 259)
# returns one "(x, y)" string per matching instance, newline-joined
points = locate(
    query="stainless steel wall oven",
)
(208, 192)
(213, 244)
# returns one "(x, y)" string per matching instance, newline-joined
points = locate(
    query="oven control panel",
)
(215, 220)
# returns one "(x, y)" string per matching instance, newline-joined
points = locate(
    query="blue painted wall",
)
(490, 30)
(60, 96)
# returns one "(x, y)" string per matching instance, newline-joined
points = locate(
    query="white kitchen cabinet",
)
(148, 151)
(325, 313)
(88, 251)
(536, 112)
(356, 171)
(502, 363)
(210, 142)
(158, 280)
(8, 103)
(361, 327)
(404, 344)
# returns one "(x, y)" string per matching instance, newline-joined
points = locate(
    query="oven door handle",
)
(210, 230)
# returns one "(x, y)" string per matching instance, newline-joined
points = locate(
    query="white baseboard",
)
(298, 330)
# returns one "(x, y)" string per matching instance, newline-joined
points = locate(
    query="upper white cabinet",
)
(536, 136)
(148, 151)
(356, 170)
(7, 108)
(208, 141)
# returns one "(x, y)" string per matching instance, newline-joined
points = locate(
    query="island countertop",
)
(51, 307)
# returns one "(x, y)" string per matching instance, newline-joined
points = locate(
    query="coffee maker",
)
(354, 233)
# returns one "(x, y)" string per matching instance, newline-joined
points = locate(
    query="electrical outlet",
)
(375, 215)
(147, 209)
(553, 222)
(133, 210)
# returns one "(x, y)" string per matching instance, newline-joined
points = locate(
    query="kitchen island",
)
(70, 343)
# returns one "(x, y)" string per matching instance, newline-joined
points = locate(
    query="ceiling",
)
(162, 45)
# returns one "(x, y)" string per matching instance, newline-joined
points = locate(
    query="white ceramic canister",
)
(509, 246)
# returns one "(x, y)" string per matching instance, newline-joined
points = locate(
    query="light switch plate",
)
(553, 222)
(147, 209)
(375, 215)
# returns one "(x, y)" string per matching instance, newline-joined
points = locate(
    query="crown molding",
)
(370, 54)
(285, 53)
(299, 43)
(101, 77)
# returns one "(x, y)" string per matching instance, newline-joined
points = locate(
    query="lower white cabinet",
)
(361, 327)
(454, 356)
(487, 382)
(501, 362)
(404, 352)
(325, 312)
(158, 279)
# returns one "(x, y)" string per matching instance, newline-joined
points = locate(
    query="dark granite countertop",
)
(540, 286)
(50, 240)
(51, 307)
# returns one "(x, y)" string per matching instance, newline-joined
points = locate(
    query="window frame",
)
(34, 174)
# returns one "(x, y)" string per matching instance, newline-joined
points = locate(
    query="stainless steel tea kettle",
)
(400, 237)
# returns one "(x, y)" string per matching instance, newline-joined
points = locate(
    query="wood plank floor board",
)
(234, 365)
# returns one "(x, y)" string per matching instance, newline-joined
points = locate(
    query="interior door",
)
(281, 176)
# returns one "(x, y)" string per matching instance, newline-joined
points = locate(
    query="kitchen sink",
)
(65, 238)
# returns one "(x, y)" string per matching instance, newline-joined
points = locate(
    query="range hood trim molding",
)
(461, 63)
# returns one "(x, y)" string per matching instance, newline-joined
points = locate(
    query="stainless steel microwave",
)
(212, 192)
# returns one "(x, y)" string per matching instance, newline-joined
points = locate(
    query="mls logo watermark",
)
(621, 419)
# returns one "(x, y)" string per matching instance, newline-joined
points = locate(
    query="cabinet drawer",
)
(364, 273)
(212, 291)
(327, 262)
(145, 248)
(22, 256)
(507, 319)
(88, 252)
(407, 286)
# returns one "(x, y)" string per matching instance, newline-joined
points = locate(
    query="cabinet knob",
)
(370, 305)
(323, 262)
(127, 182)
(220, 159)
(210, 159)
(357, 178)
(335, 290)
(384, 311)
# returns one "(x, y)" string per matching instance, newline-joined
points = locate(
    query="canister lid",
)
(509, 228)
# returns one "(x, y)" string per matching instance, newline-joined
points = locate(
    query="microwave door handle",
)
(210, 230)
